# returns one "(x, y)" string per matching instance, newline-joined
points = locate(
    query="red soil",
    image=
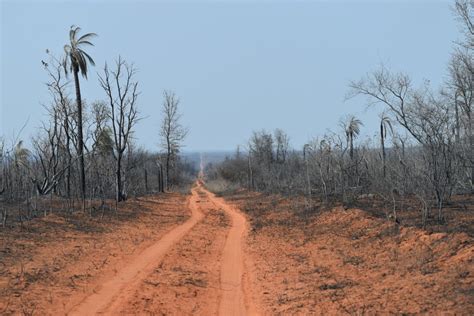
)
(144, 266)
(54, 263)
(345, 261)
(198, 254)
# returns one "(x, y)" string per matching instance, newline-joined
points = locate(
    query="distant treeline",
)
(424, 150)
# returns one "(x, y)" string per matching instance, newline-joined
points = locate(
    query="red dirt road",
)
(234, 300)
(117, 294)
(117, 290)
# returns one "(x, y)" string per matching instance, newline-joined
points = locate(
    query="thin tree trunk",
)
(69, 159)
(168, 158)
(251, 184)
(159, 179)
(118, 178)
(351, 149)
(80, 141)
(308, 182)
(383, 149)
(162, 180)
(471, 149)
(146, 180)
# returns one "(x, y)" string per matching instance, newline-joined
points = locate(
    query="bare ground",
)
(191, 263)
(198, 254)
(53, 262)
(187, 281)
(349, 262)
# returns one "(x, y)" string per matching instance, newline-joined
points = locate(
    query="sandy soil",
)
(246, 254)
(194, 265)
(114, 293)
(54, 263)
(236, 286)
(347, 262)
(204, 273)
(187, 281)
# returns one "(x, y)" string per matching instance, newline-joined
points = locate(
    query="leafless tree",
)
(62, 108)
(172, 132)
(122, 94)
(464, 10)
(282, 145)
(460, 87)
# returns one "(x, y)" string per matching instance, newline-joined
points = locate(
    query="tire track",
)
(235, 297)
(187, 280)
(117, 290)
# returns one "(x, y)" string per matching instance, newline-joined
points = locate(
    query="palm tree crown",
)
(353, 127)
(78, 58)
(352, 131)
(385, 125)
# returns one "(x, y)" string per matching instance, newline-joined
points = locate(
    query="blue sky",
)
(237, 66)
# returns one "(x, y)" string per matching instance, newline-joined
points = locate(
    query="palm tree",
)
(352, 131)
(77, 60)
(21, 155)
(385, 126)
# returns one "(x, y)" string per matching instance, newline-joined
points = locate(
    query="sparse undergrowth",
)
(49, 258)
(349, 261)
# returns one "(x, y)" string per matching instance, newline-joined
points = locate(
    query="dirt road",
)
(194, 254)
(224, 295)
(234, 300)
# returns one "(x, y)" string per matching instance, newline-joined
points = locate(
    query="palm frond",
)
(78, 57)
(85, 42)
(82, 64)
(21, 154)
(64, 64)
(84, 37)
(386, 124)
(353, 126)
(87, 56)
(72, 33)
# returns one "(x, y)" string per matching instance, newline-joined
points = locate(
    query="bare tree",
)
(282, 144)
(464, 10)
(461, 86)
(306, 148)
(172, 132)
(62, 107)
(122, 94)
(425, 116)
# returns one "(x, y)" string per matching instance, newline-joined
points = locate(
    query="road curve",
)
(235, 300)
(116, 291)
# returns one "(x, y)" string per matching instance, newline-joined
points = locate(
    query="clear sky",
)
(237, 66)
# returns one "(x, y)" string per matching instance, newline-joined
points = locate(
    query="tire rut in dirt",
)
(188, 279)
(235, 295)
(117, 290)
